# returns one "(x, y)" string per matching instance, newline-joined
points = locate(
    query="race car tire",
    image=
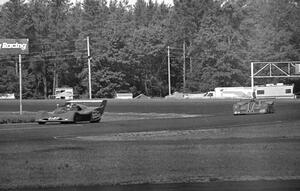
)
(272, 110)
(95, 121)
(76, 117)
(64, 122)
(41, 123)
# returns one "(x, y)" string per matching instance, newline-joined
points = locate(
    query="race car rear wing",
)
(102, 106)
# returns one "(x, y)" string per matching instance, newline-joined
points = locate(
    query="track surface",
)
(203, 143)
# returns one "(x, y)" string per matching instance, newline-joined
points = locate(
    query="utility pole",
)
(184, 67)
(20, 82)
(190, 58)
(16, 68)
(89, 66)
(252, 77)
(191, 65)
(54, 79)
(169, 68)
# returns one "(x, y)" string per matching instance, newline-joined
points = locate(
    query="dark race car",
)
(253, 106)
(72, 113)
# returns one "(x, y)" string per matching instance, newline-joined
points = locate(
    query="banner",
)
(14, 46)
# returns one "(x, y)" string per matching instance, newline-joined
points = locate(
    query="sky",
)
(130, 1)
(2, 1)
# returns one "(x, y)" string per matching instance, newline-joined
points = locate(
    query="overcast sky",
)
(2, 1)
(130, 1)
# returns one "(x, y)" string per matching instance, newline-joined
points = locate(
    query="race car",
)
(253, 106)
(72, 113)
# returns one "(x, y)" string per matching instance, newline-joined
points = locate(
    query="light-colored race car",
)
(253, 106)
(72, 113)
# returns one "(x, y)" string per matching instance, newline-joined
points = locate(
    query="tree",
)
(219, 49)
(9, 77)
(128, 43)
(50, 46)
(147, 57)
(12, 22)
(106, 83)
(12, 19)
(273, 30)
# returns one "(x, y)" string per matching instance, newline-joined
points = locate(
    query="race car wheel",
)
(95, 121)
(41, 123)
(272, 110)
(76, 117)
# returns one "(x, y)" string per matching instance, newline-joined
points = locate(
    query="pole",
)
(169, 68)
(16, 68)
(191, 65)
(89, 66)
(252, 79)
(54, 79)
(20, 82)
(184, 67)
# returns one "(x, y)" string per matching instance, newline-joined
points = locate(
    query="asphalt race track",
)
(155, 145)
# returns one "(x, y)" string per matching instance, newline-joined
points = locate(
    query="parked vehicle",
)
(274, 91)
(63, 93)
(7, 96)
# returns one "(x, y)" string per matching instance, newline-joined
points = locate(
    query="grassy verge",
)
(15, 117)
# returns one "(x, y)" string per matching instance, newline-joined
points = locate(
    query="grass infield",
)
(15, 117)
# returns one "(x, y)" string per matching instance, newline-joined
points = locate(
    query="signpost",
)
(89, 67)
(15, 47)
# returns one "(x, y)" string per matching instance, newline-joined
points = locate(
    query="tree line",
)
(216, 39)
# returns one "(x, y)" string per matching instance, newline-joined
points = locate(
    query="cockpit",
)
(67, 107)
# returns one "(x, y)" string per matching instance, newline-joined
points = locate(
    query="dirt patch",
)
(271, 130)
(110, 116)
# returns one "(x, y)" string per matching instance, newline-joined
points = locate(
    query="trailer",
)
(7, 96)
(278, 90)
(63, 93)
(123, 94)
(233, 92)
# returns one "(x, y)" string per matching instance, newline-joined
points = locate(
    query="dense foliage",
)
(128, 44)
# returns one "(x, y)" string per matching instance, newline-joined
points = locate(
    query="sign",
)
(14, 46)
